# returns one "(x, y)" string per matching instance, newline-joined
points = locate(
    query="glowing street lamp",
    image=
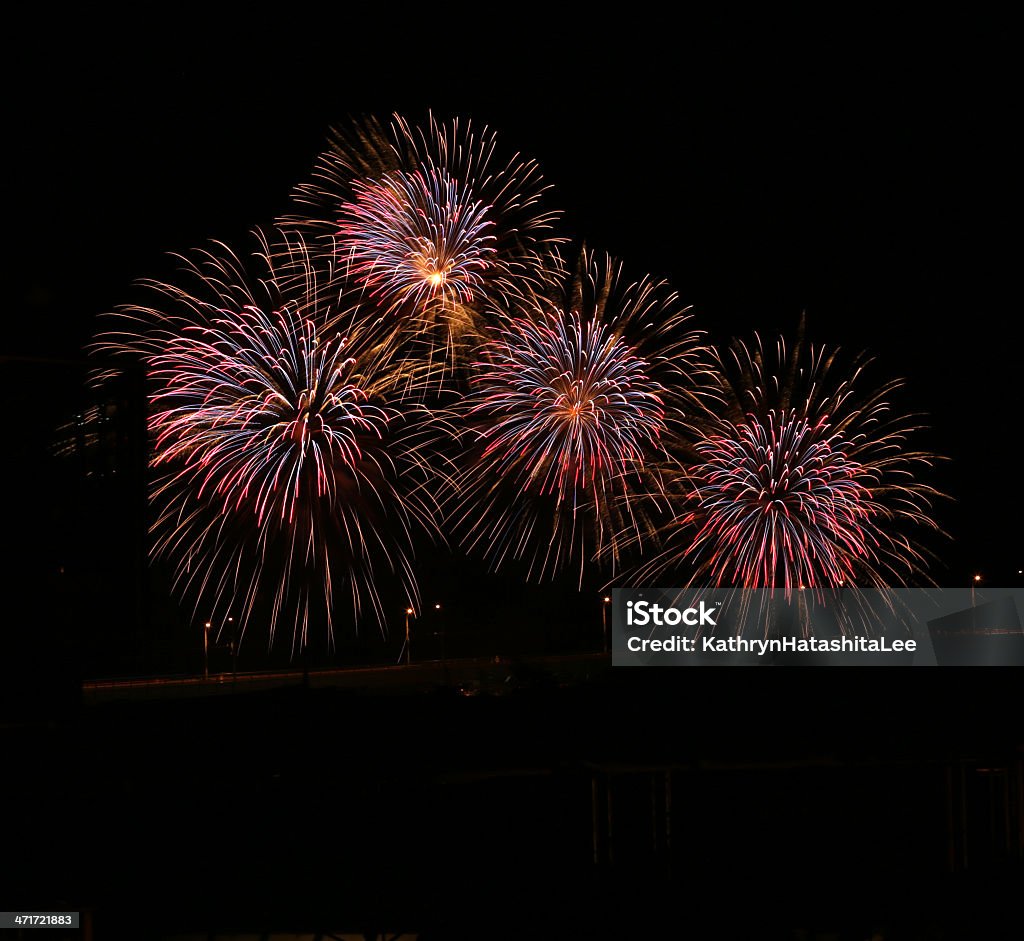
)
(206, 650)
(409, 613)
(233, 648)
(605, 601)
(440, 631)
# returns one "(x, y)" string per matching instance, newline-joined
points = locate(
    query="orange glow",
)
(435, 278)
(977, 578)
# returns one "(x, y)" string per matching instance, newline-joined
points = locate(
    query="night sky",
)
(856, 169)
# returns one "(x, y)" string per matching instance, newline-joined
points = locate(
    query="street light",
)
(605, 601)
(440, 630)
(234, 649)
(409, 613)
(206, 650)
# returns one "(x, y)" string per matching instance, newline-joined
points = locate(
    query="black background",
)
(851, 165)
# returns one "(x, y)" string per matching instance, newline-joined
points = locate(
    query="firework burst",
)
(567, 408)
(801, 484)
(284, 468)
(431, 225)
(416, 244)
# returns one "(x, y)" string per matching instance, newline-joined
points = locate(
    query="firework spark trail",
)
(800, 484)
(786, 500)
(430, 225)
(412, 239)
(566, 408)
(243, 393)
(572, 404)
(285, 452)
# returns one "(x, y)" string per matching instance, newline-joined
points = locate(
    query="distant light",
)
(802, 588)
(208, 624)
(409, 611)
(437, 607)
(977, 578)
(606, 599)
